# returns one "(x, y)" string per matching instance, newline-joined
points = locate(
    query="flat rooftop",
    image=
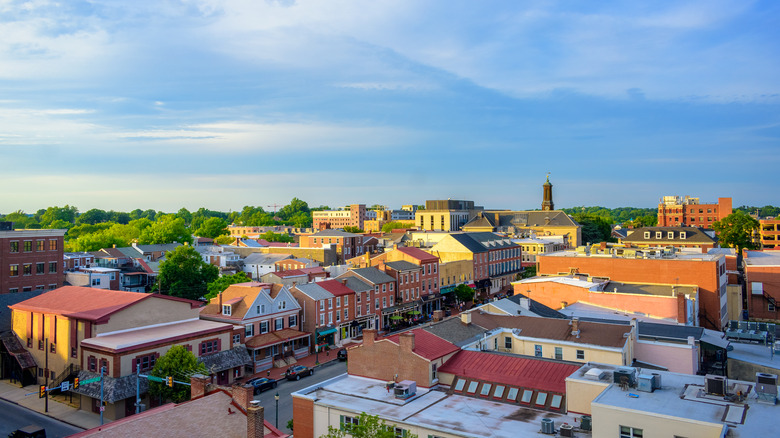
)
(149, 335)
(762, 258)
(683, 396)
(669, 256)
(433, 409)
(755, 353)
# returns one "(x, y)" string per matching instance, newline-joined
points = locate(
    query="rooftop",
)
(336, 287)
(631, 253)
(417, 253)
(128, 339)
(762, 258)
(81, 302)
(427, 344)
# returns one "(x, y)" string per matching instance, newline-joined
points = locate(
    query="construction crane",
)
(275, 206)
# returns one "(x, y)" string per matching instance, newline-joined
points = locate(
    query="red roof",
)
(277, 244)
(427, 344)
(81, 302)
(543, 375)
(336, 287)
(290, 273)
(417, 253)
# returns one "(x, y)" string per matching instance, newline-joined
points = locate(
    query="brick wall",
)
(384, 360)
(303, 417)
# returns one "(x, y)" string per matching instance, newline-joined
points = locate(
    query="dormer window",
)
(658, 234)
(226, 309)
(647, 234)
(670, 235)
(682, 235)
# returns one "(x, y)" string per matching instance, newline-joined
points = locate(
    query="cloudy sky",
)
(167, 104)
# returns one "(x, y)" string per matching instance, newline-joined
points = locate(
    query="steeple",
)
(547, 201)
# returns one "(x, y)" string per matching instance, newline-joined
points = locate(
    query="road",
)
(13, 417)
(285, 388)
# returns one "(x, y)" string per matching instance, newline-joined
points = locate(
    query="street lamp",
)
(276, 397)
(316, 348)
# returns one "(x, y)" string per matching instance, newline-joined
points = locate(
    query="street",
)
(285, 388)
(13, 417)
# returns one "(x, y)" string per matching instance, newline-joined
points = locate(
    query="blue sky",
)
(221, 104)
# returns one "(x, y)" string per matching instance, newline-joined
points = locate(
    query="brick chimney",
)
(575, 327)
(198, 385)
(243, 395)
(369, 335)
(344, 281)
(406, 341)
(255, 419)
(220, 303)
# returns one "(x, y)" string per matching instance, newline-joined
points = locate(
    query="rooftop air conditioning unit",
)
(766, 387)
(645, 383)
(715, 385)
(625, 376)
(566, 430)
(548, 426)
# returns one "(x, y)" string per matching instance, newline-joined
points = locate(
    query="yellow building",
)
(532, 246)
(526, 223)
(445, 215)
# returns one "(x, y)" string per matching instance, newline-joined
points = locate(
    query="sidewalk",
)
(308, 361)
(59, 410)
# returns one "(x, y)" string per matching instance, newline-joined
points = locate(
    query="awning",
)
(274, 338)
(14, 347)
(326, 331)
(226, 359)
(473, 286)
(714, 338)
(446, 290)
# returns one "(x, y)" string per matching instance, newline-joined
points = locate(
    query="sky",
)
(220, 104)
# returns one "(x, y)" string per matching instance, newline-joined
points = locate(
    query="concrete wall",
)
(152, 310)
(740, 370)
(580, 394)
(608, 419)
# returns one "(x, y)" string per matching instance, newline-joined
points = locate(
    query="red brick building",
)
(30, 259)
(762, 276)
(707, 271)
(347, 245)
(354, 216)
(675, 211)
(380, 299)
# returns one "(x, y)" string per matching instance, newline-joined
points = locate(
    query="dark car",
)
(261, 384)
(298, 371)
(342, 354)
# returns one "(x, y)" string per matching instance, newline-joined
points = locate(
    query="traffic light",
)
(170, 381)
(76, 383)
(42, 391)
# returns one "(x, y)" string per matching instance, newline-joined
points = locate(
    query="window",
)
(670, 235)
(338, 315)
(538, 350)
(630, 432)
(92, 364)
(384, 302)
(508, 342)
(52, 267)
(13, 290)
(459, 385)
(28, 269)
(263, 327)
(499, 392)
(249, 330)
(39, 245)
(346, 300)
(527, 394)
(330, 318)
(146, 362)
(226, 310)
(292, 321)
(209, 347)
(682, 235)
(330, 303)
(236, 339)
(647, 234)
(559, 353)
(322, 319)
(376, 303)
(95, 282)
(485, 389)
(512, 395)
(581, 354)
(346, 422)
(278, 323)
(556, 401)
(27, 245)
(541, 399)
(400, 433)
(322, 304)
(770, 307)
(14, 270)
(53, 245)
(15, 246)
(346, 314)
(472, 387)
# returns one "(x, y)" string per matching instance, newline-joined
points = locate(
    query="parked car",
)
(261, 384)
(297, 371)
(342, 354)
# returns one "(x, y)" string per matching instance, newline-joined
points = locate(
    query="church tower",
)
(547, 202)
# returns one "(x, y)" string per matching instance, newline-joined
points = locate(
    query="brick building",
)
(706, 271)
(350, 217)
(30, 259)
(677, 211)
(380, 299)
(762, 276)
(682, 237)
(347, 245)
(330, 308)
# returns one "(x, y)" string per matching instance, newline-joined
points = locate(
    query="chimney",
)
(295, 283)
(344, 281)
(438, 315)
(465, 318)
(114, 246)
(198, 385)
(691, 341)
(255, 420)
(369, 335)
(575, 327)
(406, 341)
(220, 303)
(525, 303)
(243, 394)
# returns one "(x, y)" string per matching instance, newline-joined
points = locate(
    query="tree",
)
(212, 228)
(224, 240)
(367, 426)
(184, 274)
(222, 283)
(180, 364)
(92, 217)
(66, 213)
(355, 230)
(736, 231)
(185, 214)
(393, 225)
(595, 228)
(464, 293)
(167, 229)
(19, 218)
(277, 237)
(528, 272)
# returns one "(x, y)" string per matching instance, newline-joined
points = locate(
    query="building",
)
(294, 263)
(769, 232)
(94, 276)
(453, 273)
(258, 264)
(445, 215)
(213, 410)
(30, 259)
(762, 277)
(330, 312)
(295, 276)
(682, 237)
(651, 266)
(408, 298)
(677, 211)
(352, 216)
(347, 245)
(525, 223)
(268, 317)
(532, 245)
(380, 300)
(74, 260)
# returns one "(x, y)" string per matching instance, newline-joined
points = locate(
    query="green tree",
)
(224, 240)
(277, 237)
(212, 228)
(167, 229)
(59, 224)
(736, 231)
(117, 234)
(186, 215)
(92, 217)
(19, 218)
(528, 272)
(355, 230)
(368, 426)
(595, 228)
(463, 293)
(222, 283)
(66, 213)
(180, 364)
(184, 274)
(393, 225)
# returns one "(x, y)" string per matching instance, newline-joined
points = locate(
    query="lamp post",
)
(316, 348)
(276, 397)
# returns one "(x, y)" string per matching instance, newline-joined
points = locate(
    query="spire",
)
(547, 200)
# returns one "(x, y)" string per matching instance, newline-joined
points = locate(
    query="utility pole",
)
(138, 388)
(102, 406)
(46, 372)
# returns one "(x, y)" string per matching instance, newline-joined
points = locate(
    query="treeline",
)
(622, 215)
(765, 211)
(95, 229)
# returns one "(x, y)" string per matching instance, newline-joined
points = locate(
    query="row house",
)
(329, 311)
(532, 246)
(258, 264)
(94, 276)
(294, 263)
(30, 259)
(150, 253)
(295, 276)
(77, 331)
(267, 319)
(219, 256)
(347, 245)
(685, 238)
(407, 277)
(380, 300)
(429, 274)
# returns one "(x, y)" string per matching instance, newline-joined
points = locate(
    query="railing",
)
(70, 370)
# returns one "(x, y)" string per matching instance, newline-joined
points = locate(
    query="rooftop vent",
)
(405, 389)
(715, 385)
(548, 426)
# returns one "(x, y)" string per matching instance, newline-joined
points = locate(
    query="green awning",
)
(326, 331)
(446, 290)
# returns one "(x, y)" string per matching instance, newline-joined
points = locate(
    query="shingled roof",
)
(427, 344)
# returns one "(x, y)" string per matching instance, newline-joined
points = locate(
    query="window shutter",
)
(341, 422)
(134, 365)
(219, 345)
(200, 349)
